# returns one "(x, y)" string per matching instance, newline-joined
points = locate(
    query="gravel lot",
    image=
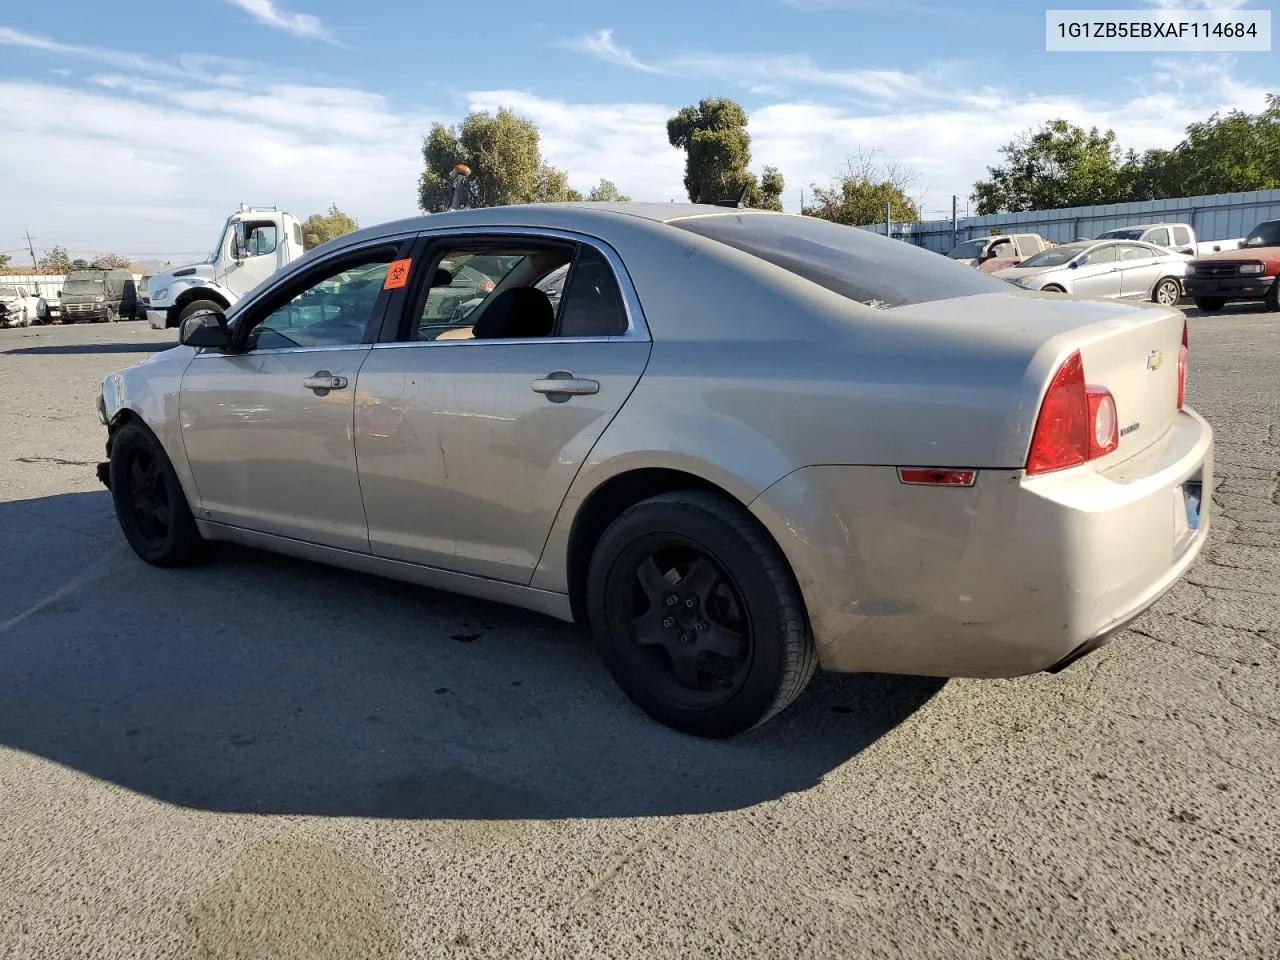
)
(270, 759)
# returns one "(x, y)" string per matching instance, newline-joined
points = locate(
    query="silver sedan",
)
(739, 445)
(1116, 270)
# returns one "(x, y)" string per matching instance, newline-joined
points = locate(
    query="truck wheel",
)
(1167, 292)
(1209, 304)
(150, 505)
(195, 306)
(1273, 295)
(699, 618)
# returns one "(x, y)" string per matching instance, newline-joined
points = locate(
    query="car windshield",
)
(1264, 235)
(217, 249)
(82, 286)
(8, 290)
(852, 262)
(967, 250)
(1053, 257)
(1133, 234)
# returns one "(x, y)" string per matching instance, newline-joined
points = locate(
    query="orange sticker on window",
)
(397, 274)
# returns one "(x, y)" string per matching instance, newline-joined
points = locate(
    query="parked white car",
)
(21, 306)
(1120, 270)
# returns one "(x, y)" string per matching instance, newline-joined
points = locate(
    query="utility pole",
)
(888, 219)
(31, 250)
(955, 220)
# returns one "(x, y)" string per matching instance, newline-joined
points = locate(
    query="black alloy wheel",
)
(150, 505)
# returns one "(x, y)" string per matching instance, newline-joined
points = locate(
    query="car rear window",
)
(852, 262)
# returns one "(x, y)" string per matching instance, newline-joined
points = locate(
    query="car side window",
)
(1028, 245)
(1137, 253)
(592, 302)
(332, 310)
(1159, 237)
(1105, 254)
(1181, 236)
(491, 290)
(1003, 248)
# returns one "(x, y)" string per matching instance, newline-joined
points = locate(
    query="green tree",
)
(771, 187)
(322, 227)
(55, 260)
(1059, 165)
(717, 149)
(1230, 154)
(607, 191)
(856, 197)
(4, 260)
(504, 155)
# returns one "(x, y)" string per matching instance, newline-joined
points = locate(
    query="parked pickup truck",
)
(999, 252)
(1247, 273)
(1175, 236)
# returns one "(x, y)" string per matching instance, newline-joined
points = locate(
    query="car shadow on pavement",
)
(254, 683)
(66, 349)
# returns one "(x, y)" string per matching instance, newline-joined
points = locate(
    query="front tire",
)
(150, 505)
(1209, 304)
(1273, 295)
(1167, 292)
(699, 618)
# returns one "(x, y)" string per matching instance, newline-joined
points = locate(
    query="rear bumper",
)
(1232, 288)
(1009, 577)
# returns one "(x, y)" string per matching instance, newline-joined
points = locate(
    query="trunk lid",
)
(1129, 348)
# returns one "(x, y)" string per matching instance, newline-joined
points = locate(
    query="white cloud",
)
(148, 156)
(601, 46)
(299, 24)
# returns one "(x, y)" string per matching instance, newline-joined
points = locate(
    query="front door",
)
(267, 426)
(471, 429)
(1099, 275)
(261, 240)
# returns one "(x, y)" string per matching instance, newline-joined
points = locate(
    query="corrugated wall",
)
(1223, 216)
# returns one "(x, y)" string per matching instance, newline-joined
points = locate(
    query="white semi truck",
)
(254, 243)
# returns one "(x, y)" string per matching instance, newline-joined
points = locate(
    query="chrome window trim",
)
(637, 325)
(337, 348)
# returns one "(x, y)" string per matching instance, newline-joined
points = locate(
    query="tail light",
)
(1077, 421)
(1182, 366)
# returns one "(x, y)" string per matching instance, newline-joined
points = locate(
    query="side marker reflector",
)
(937, 476)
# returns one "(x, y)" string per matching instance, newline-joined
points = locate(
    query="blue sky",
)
(137, 126)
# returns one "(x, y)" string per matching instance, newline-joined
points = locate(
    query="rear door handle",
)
(564, 382)
(322, 381)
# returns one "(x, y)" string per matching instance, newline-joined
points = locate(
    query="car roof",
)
(584, 216)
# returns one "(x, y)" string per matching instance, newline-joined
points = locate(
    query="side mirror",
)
(1073, 264)
(241, 245)
(205, 329)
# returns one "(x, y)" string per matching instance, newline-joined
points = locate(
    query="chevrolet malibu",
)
(741, 445)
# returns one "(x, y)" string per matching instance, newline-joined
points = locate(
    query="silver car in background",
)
(1104, 269)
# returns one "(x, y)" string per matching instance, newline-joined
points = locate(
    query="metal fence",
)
(1223, 216)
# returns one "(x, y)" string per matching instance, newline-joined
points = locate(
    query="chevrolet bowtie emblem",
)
(1154, 359)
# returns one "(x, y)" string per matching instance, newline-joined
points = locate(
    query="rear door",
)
(470, 429)
(1141, 266)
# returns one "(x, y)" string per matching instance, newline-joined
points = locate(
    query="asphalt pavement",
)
(266, 758)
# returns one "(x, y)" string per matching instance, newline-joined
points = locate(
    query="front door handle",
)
(564, 383)
(322, 381)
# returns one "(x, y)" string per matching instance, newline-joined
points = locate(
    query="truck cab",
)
(1249, 272)
(253, 243)
(998, 252)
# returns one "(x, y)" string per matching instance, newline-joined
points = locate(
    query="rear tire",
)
(720, 649)
(152, 509)
(1209, 304)
(1167, 292)
(195, 306)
